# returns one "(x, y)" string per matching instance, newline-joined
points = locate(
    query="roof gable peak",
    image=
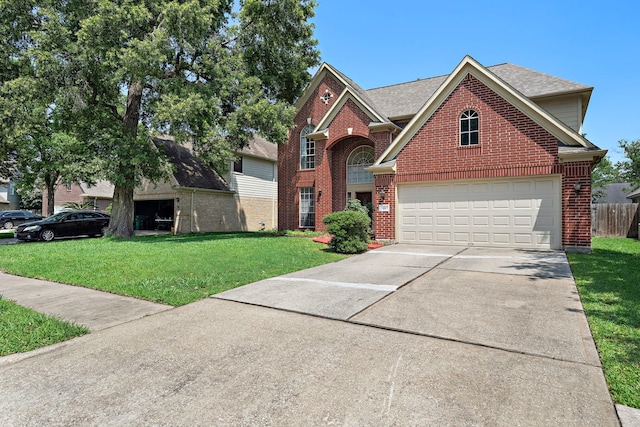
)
(469, 66)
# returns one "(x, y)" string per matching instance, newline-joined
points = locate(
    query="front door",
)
(364, 197)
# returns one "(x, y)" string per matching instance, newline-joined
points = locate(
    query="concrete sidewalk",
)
(94, 309)
(404, 335)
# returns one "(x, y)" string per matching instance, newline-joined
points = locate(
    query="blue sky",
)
(378, 43)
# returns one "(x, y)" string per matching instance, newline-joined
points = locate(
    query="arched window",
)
(359, 159)
(469, 129)
(307, 149)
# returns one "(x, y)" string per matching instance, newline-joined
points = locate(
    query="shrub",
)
(349, 230)
(356, 206)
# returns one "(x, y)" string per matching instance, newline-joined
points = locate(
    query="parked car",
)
(64, 224)
(9, 219)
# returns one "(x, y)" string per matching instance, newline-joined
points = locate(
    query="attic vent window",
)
(327, 96)
(469, 130)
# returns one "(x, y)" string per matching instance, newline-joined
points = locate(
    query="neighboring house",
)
(9, 199)
(196, 198)
(484, 156)
(254, 179)
(99, 195)
(614, 193)
(634, 196)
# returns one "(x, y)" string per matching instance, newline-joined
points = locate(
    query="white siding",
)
(258, 179)
(567, 109)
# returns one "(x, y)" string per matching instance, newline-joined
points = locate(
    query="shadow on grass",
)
(196, 237)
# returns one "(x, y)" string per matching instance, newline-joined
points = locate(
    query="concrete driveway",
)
(404, 335)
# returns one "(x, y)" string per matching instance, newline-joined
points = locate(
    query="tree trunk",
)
(121, 224)
(50, 183)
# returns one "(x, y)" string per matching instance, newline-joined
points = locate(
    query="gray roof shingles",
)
(261, 148)
(190, 171)
(405, 99)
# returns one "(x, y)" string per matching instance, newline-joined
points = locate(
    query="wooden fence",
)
(614, 219)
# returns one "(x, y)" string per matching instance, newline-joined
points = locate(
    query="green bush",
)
(356, 206)
(349, 230)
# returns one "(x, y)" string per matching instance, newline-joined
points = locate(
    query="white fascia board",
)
(346, 95)
(383, 169)
(581, 156)
(315, 81)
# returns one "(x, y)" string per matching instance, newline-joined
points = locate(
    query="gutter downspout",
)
(193, 192)
(274, 191)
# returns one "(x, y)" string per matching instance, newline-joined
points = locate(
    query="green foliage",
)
(110, 75)
(604, 173)
(355, 205)
(79, 205)
(172, 270)
(608, 280)
(630, 167)
(22, 329)
(349, 230)
(30, 198)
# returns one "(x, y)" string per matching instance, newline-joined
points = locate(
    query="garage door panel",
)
(522, 221)
(481, 238)
(426, 236)
(461, 220)
(480, 221)
(520, 212)
(461, 238)
(500, 204)
(501, 221)
(522, 239)
(443, 220)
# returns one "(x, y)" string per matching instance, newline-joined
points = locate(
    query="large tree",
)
(630, 166)
(211, 72)
(604, 173)
(36, 152)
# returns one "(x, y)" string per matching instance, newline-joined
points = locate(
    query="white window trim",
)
(350, 166)
(309, 201)
(468, 115)
(304, 149)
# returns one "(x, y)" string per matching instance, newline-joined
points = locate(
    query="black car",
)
(64, 224)
(9, 219)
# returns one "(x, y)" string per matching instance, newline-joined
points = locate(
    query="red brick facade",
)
(511, 144)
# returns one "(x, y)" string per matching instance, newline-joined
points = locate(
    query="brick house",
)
(484, 156)
(99, 195)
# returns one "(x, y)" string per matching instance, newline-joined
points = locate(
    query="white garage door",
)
(499, 212)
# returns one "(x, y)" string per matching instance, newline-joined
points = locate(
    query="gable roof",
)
(405, 99)
(190, 171)
(350, 87)
(470, 66)
(634, 194)
(614, 193)
(101, 189)
(260, 148)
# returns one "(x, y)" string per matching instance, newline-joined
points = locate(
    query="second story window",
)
(237, 165)
(307, 149)
(469, 129)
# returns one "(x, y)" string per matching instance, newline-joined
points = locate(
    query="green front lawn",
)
(22, 329)
(174, 270)
(609, 284)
